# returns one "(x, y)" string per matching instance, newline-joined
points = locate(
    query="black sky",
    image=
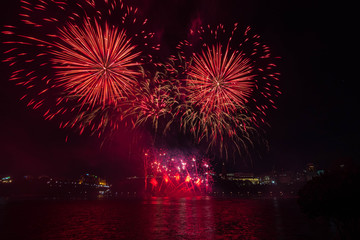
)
(316, 120)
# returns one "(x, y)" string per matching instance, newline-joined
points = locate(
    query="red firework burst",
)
(220, 81)
(77, 59)
(240, 77)
(231, 82)
(96, 64)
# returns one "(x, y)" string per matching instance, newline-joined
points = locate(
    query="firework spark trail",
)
(225, 133)
(75, 57)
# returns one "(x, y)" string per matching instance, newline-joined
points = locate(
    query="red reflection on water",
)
(158, 218)
(204, 218)
(181, 218)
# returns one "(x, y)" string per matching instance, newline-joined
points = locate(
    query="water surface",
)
(159, 218)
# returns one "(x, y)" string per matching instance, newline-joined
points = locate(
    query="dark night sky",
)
(316, 119)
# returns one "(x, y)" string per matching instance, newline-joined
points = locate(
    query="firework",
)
(237, 71)
(75, 57)
(230, 83)
(218, 82)
(94, 64)
(88, 61)
(170, 173)
(154, 102)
